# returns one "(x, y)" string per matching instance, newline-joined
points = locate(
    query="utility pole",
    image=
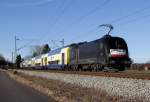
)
(63, 42)
(16, 46)
(12, 57)
(60, 41)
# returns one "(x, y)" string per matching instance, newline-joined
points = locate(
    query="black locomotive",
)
(105, 53)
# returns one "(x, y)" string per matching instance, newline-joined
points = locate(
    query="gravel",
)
(128, 88)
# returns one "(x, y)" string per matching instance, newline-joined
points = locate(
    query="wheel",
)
(121, 68)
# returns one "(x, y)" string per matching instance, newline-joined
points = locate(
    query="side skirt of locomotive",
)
(94, 67)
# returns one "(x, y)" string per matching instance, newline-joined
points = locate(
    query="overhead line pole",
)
(63, 42)
(12, 57)
(15, 46)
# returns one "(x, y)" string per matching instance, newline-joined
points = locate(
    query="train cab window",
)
(117, 44)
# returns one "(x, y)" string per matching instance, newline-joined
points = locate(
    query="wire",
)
(80, 19)
(62, 7)
(97, 8)
(134, 20)
(25, 45)
(126, 16)
(55, 44)
(87, 33)
(131, 14)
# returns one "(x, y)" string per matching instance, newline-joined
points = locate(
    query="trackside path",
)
(125, 87)
(11, 91)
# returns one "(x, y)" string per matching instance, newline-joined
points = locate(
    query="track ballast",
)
(124, 74)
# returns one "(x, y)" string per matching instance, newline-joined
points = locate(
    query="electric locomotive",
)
(106, 52)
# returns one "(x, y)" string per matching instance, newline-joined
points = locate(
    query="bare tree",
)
(37, 49)
(45, 48)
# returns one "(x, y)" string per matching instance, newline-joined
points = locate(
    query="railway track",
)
(124, 74)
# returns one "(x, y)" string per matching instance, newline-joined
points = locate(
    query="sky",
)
(36, 22)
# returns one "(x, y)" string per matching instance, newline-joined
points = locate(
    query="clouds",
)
(25, 4)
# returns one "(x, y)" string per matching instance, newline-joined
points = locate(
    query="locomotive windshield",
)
(117, 43)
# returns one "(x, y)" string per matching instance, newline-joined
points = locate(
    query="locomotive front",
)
(118, 53)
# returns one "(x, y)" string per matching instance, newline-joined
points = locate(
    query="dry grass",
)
(64, 92)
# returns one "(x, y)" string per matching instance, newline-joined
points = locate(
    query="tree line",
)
(35, 51)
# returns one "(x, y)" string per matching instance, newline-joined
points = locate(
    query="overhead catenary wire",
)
(30, 41)
(57, 46)
(97, 8)
(129, 15)
(62, 8)
(82, 18)
(25, 45)
(85, 33)
(125, 17)
(64, 5)
(134, 20)
(92, 11)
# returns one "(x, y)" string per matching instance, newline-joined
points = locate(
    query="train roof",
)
(56, 51)
(103, 38)
(109, 36)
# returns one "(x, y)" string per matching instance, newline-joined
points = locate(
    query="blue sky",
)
(74, 20)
